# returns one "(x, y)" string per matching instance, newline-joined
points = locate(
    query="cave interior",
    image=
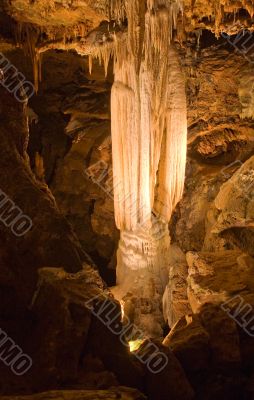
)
(127, 199)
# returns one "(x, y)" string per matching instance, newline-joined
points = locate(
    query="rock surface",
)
(189, 341)
(175, 300)
(208, 347)
(120, 393)
(162, 378)
(217, 277)
(44, 309)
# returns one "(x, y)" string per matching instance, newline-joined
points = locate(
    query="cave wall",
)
(71, 135)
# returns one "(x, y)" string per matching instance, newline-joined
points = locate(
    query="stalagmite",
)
(149, 127)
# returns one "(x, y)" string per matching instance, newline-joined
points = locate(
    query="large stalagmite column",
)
(149, 125)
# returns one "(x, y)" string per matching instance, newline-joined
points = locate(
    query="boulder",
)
(189, 341)
(217, 277)
(223, 337)
(163, 374)
(74, 331)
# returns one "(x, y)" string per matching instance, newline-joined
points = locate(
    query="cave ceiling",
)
(82, 25)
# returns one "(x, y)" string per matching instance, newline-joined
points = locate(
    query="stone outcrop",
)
(50, 239)
(80, 140)
(208, 347)
(170, 379)
(217, 277)
(120, 393)
(234, 203)
(189, 340)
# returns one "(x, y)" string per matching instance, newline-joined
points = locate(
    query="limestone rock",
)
(219, 142)
(50, 241)
(63, 328)
(246, 343)
(171, 380)
(141, 269)
(189, 228)
(58, 12)
(74, 336)
(235, 199)
(175, 300)
(234, 204)
(216, 277)
(208, 347)
(224, 338)
(189, 342)
(120, 393)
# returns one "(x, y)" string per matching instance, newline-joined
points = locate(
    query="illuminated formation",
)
(149, 125)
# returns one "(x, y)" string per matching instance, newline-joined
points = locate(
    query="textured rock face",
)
(246, 92)
(189, 340)
(84, 195)
(217, 138)
(41, 244)
(170, 379)
(214, 344)
(70, 331)
(61, 326)
(175, 300)
(235, 203)
(72, 137)
(217, 15)
(215, 277)
(142, 261)
(57, 13)
(121, 393)
(213, 225)
(208, 347)
(48, 318)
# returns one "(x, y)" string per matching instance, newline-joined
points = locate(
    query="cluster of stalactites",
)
(103, 53)
(28, 36)
(148, 108)
(117, 10)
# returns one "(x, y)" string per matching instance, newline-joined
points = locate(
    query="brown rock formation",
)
(122, 393)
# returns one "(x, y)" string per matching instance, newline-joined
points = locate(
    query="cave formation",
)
(149, 131)
(126, 199)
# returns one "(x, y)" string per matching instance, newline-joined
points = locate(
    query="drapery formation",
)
(148, 111)
(149, 130)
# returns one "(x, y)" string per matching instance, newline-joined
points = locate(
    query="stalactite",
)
(173, 150)
(117, 10)
(27, 36)
(103, 52)
(139, 108)
(218, 9)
